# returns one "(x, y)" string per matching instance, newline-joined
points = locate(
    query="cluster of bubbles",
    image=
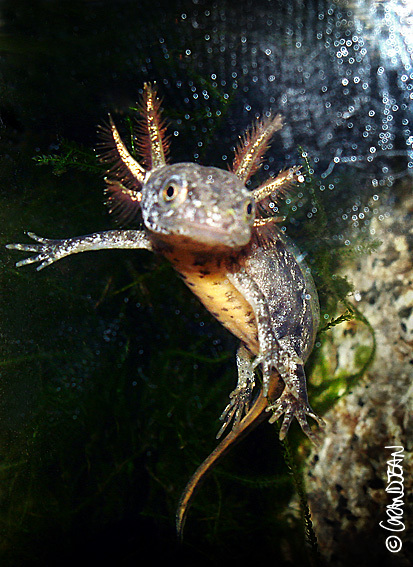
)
(341, 73)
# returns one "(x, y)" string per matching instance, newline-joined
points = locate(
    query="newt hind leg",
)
(240, 398)
(293, 402)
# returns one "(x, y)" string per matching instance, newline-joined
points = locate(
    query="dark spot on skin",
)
(280, 246)
(298, 331)
(200, 262)
(283, 330)
(205, 272)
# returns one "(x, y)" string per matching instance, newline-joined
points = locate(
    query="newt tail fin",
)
(250, 421)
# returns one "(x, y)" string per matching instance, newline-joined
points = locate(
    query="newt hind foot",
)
(238, 407)
(289, 406)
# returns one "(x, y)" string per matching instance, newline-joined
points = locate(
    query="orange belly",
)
(208, 280)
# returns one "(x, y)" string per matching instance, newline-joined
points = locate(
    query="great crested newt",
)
(224, 242)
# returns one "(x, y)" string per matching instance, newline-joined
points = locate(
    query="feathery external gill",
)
(151, 139)
(125, 175)
(112, 150)
(280, 184)
(253, 145)
(122, 202)
(275, 188)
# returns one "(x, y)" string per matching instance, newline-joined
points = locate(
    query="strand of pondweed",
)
(347, 316)
(309, 533)
(71, 155)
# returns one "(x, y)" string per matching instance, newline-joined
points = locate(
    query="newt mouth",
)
(195, 235)
(217, 235)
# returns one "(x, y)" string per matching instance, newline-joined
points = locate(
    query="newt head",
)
(197, 207)
(185, 204)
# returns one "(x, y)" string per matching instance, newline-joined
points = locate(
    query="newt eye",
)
(249, 208)
(173, 192)
(170, 192)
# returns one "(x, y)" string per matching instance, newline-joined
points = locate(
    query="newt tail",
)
(254, 417)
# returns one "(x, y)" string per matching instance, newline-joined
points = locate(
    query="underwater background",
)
(112, 375)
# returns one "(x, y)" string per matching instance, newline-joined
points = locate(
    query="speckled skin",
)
(245, 272)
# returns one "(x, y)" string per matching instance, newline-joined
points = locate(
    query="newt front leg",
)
(49, 250)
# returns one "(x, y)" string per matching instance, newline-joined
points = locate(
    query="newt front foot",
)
(48, 251)
(290, 406)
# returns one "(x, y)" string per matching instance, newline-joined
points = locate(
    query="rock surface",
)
(347, 475)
